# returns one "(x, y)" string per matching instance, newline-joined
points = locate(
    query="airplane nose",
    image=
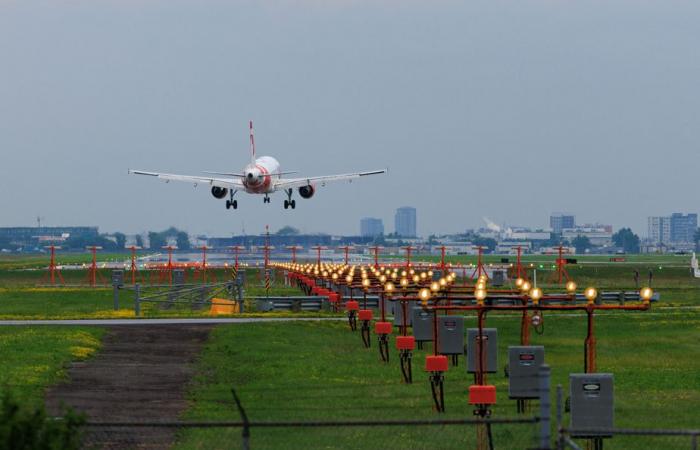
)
(250, 175)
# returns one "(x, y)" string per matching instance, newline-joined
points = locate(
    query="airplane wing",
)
(296, 182)
(231, 183)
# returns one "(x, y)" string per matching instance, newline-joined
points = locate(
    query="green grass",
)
(33, 358)
(319, 371)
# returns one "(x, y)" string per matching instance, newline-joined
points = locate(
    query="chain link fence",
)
(514, 433)
(629, 439)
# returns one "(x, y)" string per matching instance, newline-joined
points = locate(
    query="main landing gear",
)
(289, 202)
(266, 199)
(232, 203)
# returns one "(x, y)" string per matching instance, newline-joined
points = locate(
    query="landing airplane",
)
(261, 176)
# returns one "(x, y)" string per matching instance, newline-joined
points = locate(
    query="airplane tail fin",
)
(252, 144)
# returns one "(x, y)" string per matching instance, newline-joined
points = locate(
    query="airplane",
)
(261, 176)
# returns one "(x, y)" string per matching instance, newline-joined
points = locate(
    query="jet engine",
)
(307, 191)
(219, 192)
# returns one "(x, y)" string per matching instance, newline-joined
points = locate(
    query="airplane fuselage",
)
(259, 175)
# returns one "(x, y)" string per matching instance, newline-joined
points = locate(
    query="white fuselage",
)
(260, 174)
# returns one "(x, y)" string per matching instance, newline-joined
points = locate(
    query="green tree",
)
(626, 239)
(156, 240)
(183, 240)
(582, 243)
(287, 231)
(121, 240)
(139, 241)
(29, 428)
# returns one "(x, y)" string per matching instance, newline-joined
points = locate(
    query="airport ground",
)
(319, 370)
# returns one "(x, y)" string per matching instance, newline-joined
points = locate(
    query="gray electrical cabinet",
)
(178, 277)
(592, 404)
(450, 335)
(497, 278)
(490, 346)
(422, 320)
(118, 278)
(398, 312)
(240, 278)
(437, 274)
(524, 363)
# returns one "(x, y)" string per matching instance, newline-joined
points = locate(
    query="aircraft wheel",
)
(293, 203)
(286, 204)
(235, 204)
(228, 204)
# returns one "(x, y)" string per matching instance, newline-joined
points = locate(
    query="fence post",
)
(560, 417)
(694, 442)
(116, 297)
(246, 424)
(137, 300)
(545, 408)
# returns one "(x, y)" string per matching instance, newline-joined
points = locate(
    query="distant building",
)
(405, 221)
(38, 236)
(659, 230)
(683, 227)
(371, 227)
(598, 235)
(559, 221)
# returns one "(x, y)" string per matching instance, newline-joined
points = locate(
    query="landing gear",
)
(266, 199)
(289, 202)
(232, 203)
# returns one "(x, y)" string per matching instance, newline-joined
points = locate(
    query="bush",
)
(26, 428)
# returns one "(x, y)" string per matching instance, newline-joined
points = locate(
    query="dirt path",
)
(140, 374)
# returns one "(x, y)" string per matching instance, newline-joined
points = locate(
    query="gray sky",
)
(506, 109)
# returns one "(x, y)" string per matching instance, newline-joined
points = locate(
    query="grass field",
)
(319, 371)
(32, 358)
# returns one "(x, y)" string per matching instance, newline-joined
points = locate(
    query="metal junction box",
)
(490, 346)
(450, 335)
(422, 324)
(398, 312)
(592, 403)
(524, 363)
(118, 278)
(178, 277)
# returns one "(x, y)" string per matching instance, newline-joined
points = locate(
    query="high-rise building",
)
(559, 221)
(683, 227)
(371, 227)
(405, 221)
(659, 229)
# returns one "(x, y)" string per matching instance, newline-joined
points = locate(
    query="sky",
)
(506, 109)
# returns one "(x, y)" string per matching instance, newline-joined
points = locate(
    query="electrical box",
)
(490, 348)
(524, 363)
(450, 335)
(437, 274)
(398, 312)
(118, 278)
(240, 278)
(178, 277)
(498, 278)
(592, 403)
(422, 320)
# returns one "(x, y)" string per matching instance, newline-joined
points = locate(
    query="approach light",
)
(570, 287)
(591, 293)
(646, 293)
(424, 295)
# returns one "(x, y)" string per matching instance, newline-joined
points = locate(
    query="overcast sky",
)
(505, 109)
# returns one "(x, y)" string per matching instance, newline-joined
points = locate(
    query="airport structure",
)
(405, 222)
(39, 236)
